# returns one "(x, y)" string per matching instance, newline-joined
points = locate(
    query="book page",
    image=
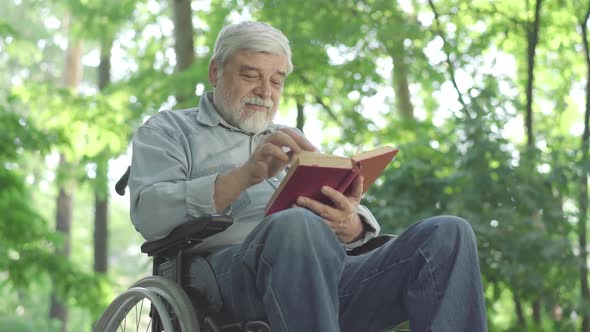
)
(373, 163)
(324, 160)
(371, 153)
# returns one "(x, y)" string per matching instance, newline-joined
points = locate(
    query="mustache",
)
(257, 101)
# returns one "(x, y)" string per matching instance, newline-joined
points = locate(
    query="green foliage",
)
(15, 325)
(462, 153)
(27, 245)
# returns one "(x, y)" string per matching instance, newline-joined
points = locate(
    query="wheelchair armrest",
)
(187, 235)
(373, 243)
(122, 183)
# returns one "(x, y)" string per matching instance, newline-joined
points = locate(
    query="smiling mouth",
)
(257, 107)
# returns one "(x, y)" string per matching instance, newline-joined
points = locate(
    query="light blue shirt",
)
(177, 155)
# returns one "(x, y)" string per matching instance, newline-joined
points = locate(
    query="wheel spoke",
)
(138, 316)
(166, 301)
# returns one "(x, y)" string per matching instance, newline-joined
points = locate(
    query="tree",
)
(72, 77)
(101, 197)
(584, 170)
(183, 43)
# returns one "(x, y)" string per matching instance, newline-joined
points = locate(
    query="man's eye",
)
(249, 76)
(277, 83)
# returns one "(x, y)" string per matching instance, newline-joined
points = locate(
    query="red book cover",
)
(310, 171)
(373, 163)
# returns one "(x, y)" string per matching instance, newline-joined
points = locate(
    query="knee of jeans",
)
(454, 228)
(298, 224)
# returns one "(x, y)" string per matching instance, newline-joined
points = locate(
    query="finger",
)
(281, 140)
(272, 151)
(340, 201)
(357, 188)
(301, 140)
(325, 211)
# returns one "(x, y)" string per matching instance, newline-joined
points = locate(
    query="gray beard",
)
(255, 122)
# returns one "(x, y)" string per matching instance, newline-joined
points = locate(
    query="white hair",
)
(252, 36)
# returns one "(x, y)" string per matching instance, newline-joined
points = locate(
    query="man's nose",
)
(264, 89)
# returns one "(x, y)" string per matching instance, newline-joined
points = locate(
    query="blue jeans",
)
(293, 271)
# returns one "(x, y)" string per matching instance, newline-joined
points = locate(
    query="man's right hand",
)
(274, 154)
(265, 162)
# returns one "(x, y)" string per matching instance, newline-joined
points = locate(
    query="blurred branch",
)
(494, 11)
(583, 194)
(584, 27)
(532, 41)
(450, 65)
(319, 100)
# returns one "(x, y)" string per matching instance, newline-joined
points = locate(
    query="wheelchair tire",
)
(171, 304)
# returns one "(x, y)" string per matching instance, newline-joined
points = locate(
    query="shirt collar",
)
(209, 116)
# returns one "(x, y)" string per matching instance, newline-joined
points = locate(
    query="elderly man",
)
(291, 268)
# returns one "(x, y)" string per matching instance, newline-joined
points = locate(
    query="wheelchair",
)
(182, 295)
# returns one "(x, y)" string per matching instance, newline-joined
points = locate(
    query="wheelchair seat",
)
(176, 259)
(194, 282)
(182, 291)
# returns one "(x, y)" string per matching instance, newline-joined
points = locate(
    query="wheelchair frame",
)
(168, 295)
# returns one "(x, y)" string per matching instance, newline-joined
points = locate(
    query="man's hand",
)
(266, 161)
(270, 156)
(342, 217)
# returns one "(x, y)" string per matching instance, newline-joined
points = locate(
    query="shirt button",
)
(275, 179)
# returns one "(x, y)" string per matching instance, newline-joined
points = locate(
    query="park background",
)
(489, 102)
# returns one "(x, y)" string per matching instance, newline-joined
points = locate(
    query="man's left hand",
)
(342, 216)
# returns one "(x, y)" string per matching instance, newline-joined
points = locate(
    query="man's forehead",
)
(254, 60)
(254, 68)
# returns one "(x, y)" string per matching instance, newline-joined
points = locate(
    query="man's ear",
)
(213, 71)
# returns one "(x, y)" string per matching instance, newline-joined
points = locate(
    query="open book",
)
(311, 170)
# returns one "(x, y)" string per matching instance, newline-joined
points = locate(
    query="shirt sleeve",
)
(161, 196)
(373, 228)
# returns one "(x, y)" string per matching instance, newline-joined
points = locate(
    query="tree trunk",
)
(72, 77)
(401, 85)
(183, 42)
(519, 311)
(101, 197)
(73, 65)
(101, 207)
(583, 196)
(532, 40)
(537, 311)
(104, 67)
(300, 116)
(63, 225)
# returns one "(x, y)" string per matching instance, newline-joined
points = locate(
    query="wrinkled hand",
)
(269, 157)
(342, 216)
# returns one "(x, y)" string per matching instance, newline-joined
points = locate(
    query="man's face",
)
(248, 88)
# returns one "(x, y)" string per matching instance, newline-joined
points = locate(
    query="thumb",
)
(357, 187)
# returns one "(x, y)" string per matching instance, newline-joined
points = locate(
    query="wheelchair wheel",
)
(151, 304)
